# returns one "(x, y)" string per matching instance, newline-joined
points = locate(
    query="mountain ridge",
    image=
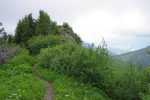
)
(140, 57)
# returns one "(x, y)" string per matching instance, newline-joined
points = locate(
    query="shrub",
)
(68, 89)
(131, 84)
(22, 51)
(36, 43)
(22, 57)
(87, 65)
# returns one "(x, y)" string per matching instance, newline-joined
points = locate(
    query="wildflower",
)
(66, 95)
(14, 94)
(10, 96)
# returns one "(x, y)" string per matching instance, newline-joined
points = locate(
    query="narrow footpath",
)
(49, 92)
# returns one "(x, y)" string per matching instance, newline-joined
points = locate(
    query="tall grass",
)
(16, 80)
(68, 89)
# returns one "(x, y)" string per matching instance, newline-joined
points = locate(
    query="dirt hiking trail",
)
(49, 92)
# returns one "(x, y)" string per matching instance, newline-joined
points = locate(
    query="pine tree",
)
(10, 39)
(2, 29)
(3, 35)
(43, 24)
(25, 30)
(54, 28)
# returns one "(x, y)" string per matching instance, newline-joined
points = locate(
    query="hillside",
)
(139, 57)
(46, 61)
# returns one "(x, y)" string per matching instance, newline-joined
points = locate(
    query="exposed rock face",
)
(69, 35)
(5, 52)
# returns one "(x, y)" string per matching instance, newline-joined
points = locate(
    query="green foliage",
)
(29, 27)
(22, 51)
(2, 29)
(119, 67)
(22, 57)
(43, 24)
(67, 89)
(3, 35)
(25, 29)
(86, 65)
(10, 39)
(92, 67)
(39, 42)
(17, 81)
(130, 82)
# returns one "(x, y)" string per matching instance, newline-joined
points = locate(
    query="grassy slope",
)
(67, 89)
(17, 82)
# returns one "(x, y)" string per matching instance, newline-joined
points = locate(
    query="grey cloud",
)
(136, 34)
(70, 10)
(65, 10)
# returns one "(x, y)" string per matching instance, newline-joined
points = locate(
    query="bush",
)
(68, 89)
(87, 65)
(36, 43)
(131, 85)
(22, 57)
(22, 51)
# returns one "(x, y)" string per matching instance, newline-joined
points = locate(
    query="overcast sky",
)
(124, 24)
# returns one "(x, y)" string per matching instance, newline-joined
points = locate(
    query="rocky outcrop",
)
(5, 53)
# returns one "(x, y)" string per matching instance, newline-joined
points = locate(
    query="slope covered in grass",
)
(16, 80)
(67, 89)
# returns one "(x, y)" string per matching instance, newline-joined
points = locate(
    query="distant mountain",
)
(86, 45)
(140, 57)
(112, 54)
(118, 51)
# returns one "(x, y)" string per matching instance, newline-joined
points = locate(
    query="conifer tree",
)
(3, 35)
(25, 29)
(43, 24)
(10, 39)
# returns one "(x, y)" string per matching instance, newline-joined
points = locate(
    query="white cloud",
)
(115, 20)
(107, 22)
(112, 26)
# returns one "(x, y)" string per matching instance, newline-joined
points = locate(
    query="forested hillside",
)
(42, 52)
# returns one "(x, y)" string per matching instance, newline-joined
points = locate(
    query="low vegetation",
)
(93, 66)
(67, 89)
(76, 72)
(86, 65)
(37, 43)
(17, 81)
